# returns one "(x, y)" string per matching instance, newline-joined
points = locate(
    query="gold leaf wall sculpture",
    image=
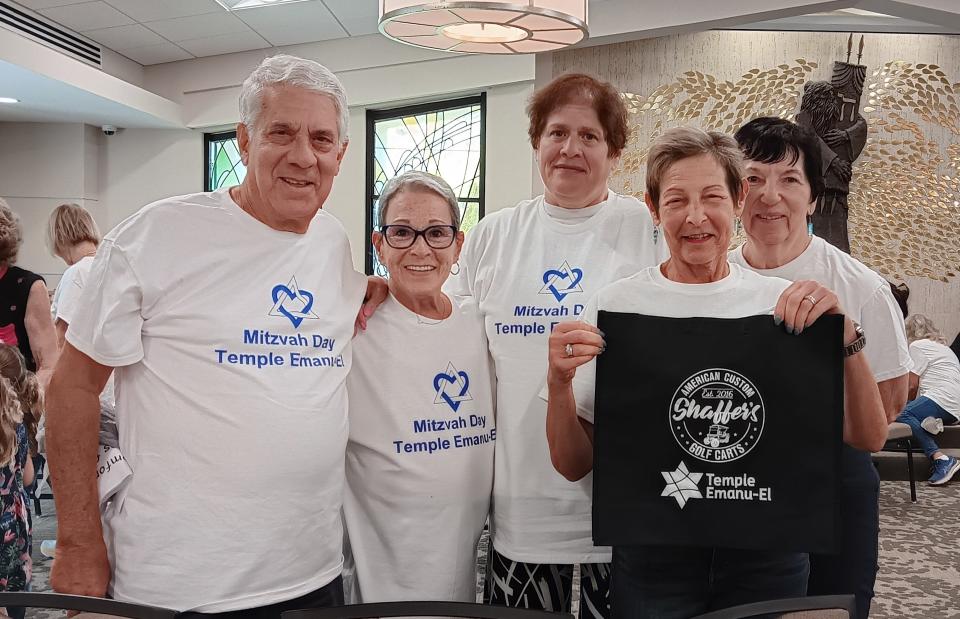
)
(904, 210)
(904, 220)
(703, 100)
(905, 195)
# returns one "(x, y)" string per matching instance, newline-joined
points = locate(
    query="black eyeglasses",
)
(401, 237)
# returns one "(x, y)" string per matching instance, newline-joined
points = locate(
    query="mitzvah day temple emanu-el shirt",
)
(420, 455)
(530, 267)
(232, 346)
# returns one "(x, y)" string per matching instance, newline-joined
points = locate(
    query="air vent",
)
(26, 23)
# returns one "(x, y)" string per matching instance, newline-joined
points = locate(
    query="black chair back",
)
(421, 609)
(84, 604)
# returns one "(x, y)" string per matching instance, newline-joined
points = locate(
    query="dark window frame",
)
(207, 139)
(373, 116)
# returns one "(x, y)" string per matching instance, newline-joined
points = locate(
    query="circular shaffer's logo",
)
(716, 415)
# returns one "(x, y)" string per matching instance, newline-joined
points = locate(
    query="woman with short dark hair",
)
(782, 167)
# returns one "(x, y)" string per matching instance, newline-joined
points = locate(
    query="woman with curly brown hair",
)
(25, 320)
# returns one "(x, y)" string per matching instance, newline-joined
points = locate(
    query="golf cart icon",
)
(717, 435)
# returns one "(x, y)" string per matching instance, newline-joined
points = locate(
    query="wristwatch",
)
(856, 345)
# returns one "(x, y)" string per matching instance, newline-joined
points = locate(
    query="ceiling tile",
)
(357, 17)
(197, 26)
(155, 54)
(124, 37)
(36, 5)
(224, 44)
(153, 10)
(297, 22)
(87, 16)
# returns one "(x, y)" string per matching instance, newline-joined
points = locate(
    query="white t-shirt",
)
(68, 290)
(232, 345)
(65, 305)
(529, 270)
(864, 295)
(939, 373)
(420, 456)
(741, 293)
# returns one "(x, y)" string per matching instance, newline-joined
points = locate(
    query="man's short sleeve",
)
(68, 292)
(108, 320)
(887, 350)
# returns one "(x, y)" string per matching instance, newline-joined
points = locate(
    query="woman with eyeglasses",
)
(419, 459)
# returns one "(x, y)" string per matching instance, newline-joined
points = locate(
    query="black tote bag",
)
(718, 433)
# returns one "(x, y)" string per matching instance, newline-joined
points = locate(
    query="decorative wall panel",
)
(905, 195)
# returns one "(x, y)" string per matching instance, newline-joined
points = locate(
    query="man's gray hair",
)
(424, 181)
(283, 69)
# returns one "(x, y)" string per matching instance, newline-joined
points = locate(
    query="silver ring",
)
(811, 298)
(569, 350)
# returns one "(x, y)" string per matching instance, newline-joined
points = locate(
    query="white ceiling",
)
(155, 31)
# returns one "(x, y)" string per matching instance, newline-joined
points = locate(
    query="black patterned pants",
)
(547, 586)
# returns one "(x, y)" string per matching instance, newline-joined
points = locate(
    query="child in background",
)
(15, 563)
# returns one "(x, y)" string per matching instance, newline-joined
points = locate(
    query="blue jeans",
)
(669, 582)
(918, 410)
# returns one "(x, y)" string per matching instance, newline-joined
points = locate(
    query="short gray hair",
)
(680, 143)
(283, 69)
(424, 181)
(919, 327)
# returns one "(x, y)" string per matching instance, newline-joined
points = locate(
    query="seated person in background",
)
(421, 377)
(935, 379)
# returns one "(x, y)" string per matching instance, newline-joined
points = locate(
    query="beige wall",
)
(905, 199)
(42, 166)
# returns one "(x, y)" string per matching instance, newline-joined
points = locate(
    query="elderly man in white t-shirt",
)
(226, 317)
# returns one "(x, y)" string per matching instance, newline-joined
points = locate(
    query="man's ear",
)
(243, 142)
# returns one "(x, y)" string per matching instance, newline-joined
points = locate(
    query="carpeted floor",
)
(919, 553)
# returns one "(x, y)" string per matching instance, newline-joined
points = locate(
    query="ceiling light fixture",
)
(236, 5)
(9, 100)
(485, 26)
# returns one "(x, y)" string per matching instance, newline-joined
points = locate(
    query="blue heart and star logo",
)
(292, 302)
(562, 281)
(452, 387)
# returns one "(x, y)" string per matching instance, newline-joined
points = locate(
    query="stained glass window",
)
(222, 157)
(444, 138)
